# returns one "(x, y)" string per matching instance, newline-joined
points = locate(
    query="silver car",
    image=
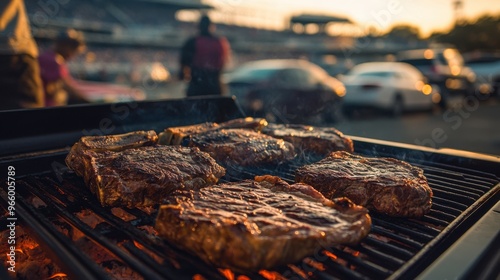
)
(394, 87)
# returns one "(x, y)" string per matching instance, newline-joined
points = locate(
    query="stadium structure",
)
(131, 31)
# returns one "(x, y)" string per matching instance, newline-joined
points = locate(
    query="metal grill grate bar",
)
(371, 269)
(414, 230)
(449, 203)
(384, 259)
(391, 244)
(462, 187)
(437, 191)
(388, 248)
(445, 209)
(146, 271)
(398, 237)
(135, 262)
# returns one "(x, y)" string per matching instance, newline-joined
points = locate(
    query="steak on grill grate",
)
(252, 225)
(144, 176)
(115, 143)
(309, 139)
(242, 147)
(175, 135)
(386, 185)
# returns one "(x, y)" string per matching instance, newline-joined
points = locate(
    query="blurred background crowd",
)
(136, 43)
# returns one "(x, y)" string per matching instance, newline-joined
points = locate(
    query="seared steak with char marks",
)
(122, 170)
(310, 139)
(175, 135)
(118, 142)
(243, 147)
(252, 225)
(386, 185)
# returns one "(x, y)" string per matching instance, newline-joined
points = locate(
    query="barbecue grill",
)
(459, 238)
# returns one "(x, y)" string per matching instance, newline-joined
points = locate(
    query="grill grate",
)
(391, 248)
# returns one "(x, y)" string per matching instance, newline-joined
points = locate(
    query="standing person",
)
(58, 84)
(203, 58)
(20, 84)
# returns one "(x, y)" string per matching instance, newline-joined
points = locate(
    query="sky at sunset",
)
(428, 15)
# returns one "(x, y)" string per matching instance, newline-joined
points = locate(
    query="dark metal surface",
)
(54, 128)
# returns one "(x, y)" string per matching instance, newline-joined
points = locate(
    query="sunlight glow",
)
(428, 15)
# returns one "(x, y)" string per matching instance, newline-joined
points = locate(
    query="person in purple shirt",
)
(203, 58)
(57, 81)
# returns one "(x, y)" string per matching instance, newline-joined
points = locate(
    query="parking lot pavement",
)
(473, 127)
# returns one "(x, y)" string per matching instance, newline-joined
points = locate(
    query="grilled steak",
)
(144, 176)
(115, 143)
(252, 225)
(385, 185)
(243, 147)
(256, 124)
(175, 135)
(309, 139)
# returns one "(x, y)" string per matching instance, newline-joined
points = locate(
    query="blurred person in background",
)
(202, 60)
(20, 84)
(58, 84)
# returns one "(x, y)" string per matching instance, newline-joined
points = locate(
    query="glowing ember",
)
(198, 277)
(148, 229)
(28, 244)
(317, 265)
(122, 214)
(352, 252)
(298, 271)
(227, 273)
(330, 255)
(138, 245)
(271, 275)
(88, 217)
(147, 209)
(57, 275)
(31, 261)
(242, 277)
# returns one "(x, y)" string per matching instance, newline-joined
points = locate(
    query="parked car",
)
(98, 92)
(286, 90)
(394, 87)
(443, 67)
(487, 70)
(144, 74)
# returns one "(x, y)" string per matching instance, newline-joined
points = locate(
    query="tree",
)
(403, 32)
(481, 34)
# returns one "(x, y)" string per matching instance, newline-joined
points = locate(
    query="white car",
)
(391, 86)
(487, 70)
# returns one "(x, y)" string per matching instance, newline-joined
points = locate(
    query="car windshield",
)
(252, 74)
(418, 62)
(375, 74)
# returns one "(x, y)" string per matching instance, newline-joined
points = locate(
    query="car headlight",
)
(340, 91)
(256, 105)
(426, 89)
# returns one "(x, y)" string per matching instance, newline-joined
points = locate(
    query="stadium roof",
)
(180, 4)
(318, 19)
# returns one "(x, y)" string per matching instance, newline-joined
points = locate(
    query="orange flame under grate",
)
(330, 255)
(57, 275)
(271, 275)
(138, 245)
(227, 273)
